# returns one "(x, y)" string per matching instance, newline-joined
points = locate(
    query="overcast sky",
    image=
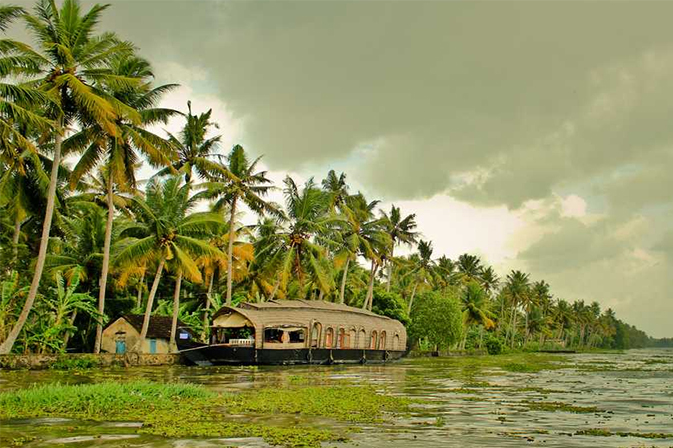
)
(538, 135)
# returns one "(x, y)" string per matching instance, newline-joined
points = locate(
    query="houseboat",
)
(296, 332)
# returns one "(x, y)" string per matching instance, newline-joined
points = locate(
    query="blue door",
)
(121, 346)
(153, 346)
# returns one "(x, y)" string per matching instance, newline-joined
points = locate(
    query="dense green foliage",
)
(435, 318)
(80, 247)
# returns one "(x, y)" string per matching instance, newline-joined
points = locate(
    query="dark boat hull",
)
(207, 355)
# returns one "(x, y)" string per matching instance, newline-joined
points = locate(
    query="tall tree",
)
(120, 152)
(70, 62)
(470, 268)
(239, 182)
(165, 233)
(422, 272)
(309, 230)
(196, 152)
(336, 189)
(361, 234)
(517, 290)
(401, 231)
(475, 308)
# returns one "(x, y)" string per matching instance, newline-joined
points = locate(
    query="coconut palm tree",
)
(401, 231)
(20, 104)
(337, 190)
(196, 153)
(423, 269)
(470, 268)
(360, 233)
(166, 234)
(81, 251)
(517, 290)
(489, 280)
(475, 309)
(539, 298)
(71, 62)
(239, 181)
(121, 151)
(307, 233)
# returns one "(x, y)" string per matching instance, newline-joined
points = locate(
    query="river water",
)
(459, 402)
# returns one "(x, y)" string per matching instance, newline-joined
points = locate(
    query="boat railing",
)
(242, 342)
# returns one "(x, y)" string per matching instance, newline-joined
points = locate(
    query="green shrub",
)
(75, 363)
(494, 345)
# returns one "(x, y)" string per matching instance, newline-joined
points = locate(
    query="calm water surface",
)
(633, 392)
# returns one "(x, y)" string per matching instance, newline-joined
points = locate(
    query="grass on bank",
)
(188, 410)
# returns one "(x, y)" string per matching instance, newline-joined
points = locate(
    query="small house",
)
(122, 334)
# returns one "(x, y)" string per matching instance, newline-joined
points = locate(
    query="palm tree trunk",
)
(411, 299)
(275, 289)
(106, 262)
(501, 317)
(211, 280)
(526, 329)
(15, 240)
(513, 328)
(370, 289)
(390, 268)
(321, 294)
(7, 345)
(176, 310)
(148, 308)
(230, 250)
(342, 290)
(141, 286)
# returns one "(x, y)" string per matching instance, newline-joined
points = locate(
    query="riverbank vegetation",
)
(83, 240)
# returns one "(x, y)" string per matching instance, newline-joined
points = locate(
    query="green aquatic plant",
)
(188, 410)
(599, 432)
(344, 402)
(556, 406)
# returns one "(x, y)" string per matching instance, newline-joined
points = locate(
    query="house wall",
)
(109, 341)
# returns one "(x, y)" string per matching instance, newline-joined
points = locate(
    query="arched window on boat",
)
(382, 341)
(396, 342)
(350, 340)
(329, 337)
(374, 339)
(341, 340)
(362, 339)
(315, 334)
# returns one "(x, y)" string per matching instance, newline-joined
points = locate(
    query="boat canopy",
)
(313, 323)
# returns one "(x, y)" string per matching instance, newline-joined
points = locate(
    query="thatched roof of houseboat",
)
(301, 312)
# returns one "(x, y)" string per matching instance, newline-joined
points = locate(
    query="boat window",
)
(297, 336)
(351, 339)
(362, 340)
(382, 341)
(374, 339)
(236, 336)
(341, 340)
(273, 335)
(315, 334)
(329, 337)
(396, 342)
